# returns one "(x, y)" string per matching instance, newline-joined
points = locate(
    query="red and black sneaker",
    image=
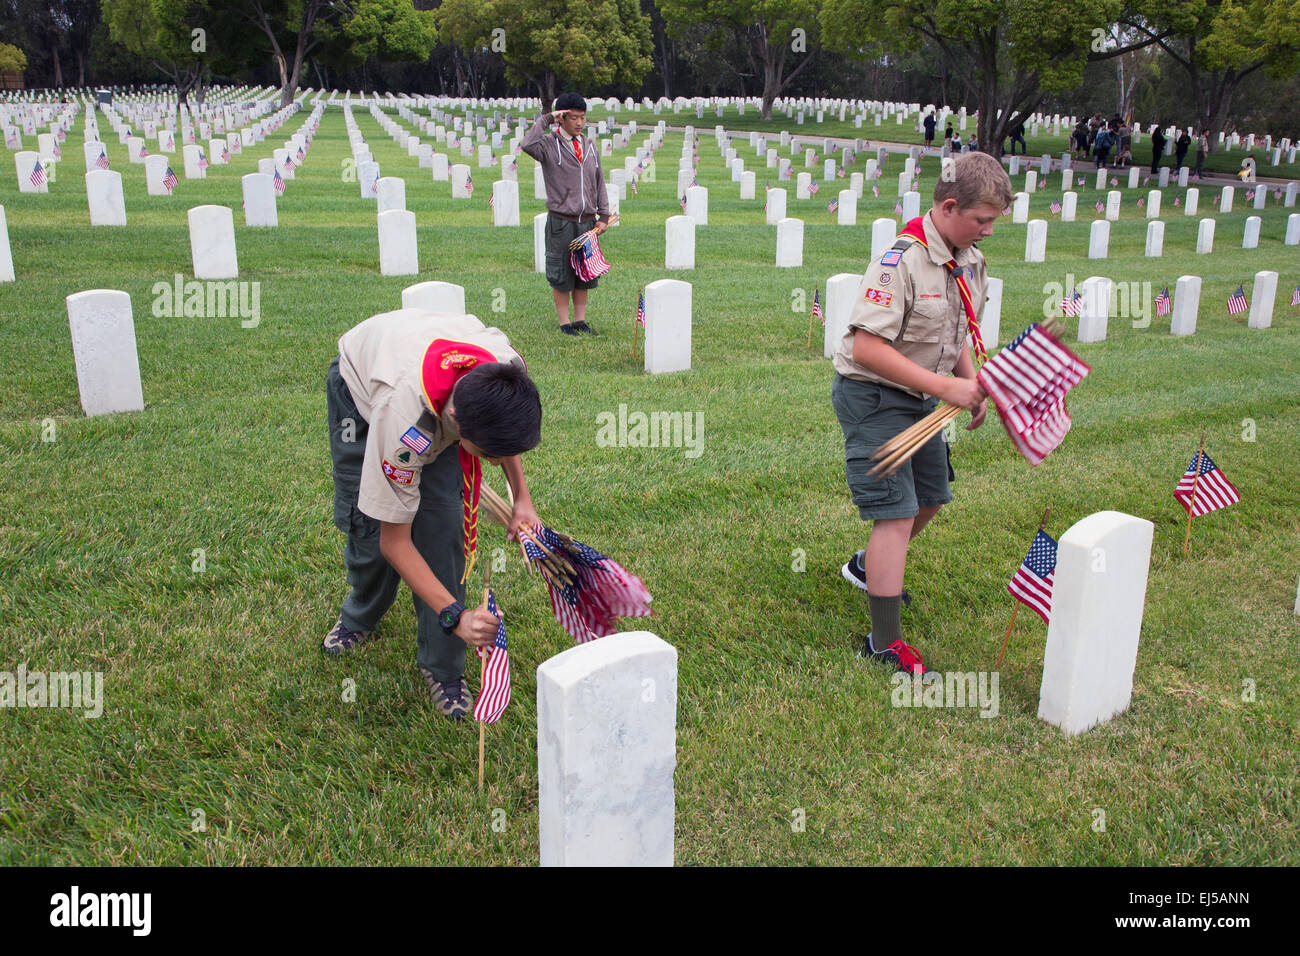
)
(904, 657)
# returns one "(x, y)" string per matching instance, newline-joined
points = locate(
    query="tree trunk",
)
(58, 66)
(81, 68)
(771, 88)
(284, 77)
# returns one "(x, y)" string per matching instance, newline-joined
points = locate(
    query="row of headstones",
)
(1099, 237)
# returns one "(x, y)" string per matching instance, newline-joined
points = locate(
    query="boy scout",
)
(576, 201)
(405, 388)
(906, 335)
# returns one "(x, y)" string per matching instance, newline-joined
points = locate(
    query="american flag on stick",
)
(1295, 296)
(102, 162)
(1072, 304)
(640, 308)
(1032, 583)
(203, 160)
(1237, 302)
(833, 205)
(1164, 305)
(1028, 381)
(1055, 207)
(38, 175)
(169, 180)
(278, 183)
(1203, 488)
(494, 693)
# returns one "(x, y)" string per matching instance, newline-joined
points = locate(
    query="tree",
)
(12, 59)
(1008, 54)
(1219, 43)
(779, 37)
(583, 42)
(164, 33)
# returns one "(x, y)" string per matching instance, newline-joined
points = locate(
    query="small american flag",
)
(144, 151)
(1114, 182)
(289, 164)
(1055, 207)
(682, 200)
(38, 175)
(278, 183)
(1072, 304)
(492, 200)
(879, 172)
(469, 184)
(494, 694)
(1164, 305)
(840, 173)
(1031, 585)
(1100, 207)
(170, 180)
(1146, 181)
(1213, 491)
(813, 187)
(1237, 302)
(898, 209)
(102, 162)
(1141, 201)
(301, 154)
(875, 191)
(203, 160)
(1028, 381)
(1250, 194)
(225, 154)
(817, 307)
(1177, 201)
(58, 153)
(833, 205)
(1295, 296)
(640, 308)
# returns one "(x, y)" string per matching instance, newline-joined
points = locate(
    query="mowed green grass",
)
(218, 699)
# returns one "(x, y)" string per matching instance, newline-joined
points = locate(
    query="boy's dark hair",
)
(570, 101)
(498, 409)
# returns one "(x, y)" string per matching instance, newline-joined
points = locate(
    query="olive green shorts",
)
(870, 415)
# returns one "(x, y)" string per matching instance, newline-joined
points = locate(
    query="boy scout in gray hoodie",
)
(575, 200)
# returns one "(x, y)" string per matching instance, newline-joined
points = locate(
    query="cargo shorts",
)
(559, 266)
(870, 414)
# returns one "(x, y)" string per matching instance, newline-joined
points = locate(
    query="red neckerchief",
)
(445, 362)
(916, 230)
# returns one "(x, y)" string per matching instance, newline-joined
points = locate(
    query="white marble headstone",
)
(259, 200)
(1186, 305)
(104, 196)
(398, 250)
(6, 254)
(212, 242)
(1098, 598)
(668, 324)
(1262, 299)
(435, 297)
(103, 347)
(679, 242)
(789, 243)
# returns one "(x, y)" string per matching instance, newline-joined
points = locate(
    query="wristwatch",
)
(449, 616)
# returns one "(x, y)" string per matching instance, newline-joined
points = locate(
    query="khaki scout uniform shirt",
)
(915, 306)
(380, 363)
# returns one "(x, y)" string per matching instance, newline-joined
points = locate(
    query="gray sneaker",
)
(452, 697)
(340, 639)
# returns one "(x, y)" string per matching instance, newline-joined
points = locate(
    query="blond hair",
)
(974, 179)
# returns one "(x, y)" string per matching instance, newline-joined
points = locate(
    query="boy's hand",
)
(965, 393)
(559, 115)
(977, 416)
(522, 514)
(477, 627)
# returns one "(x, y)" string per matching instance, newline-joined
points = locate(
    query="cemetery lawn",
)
(225, 736)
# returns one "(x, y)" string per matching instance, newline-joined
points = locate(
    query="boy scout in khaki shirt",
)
(416, 399)
(906, 337)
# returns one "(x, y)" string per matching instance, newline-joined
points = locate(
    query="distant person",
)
(947, 133)
(575, 201)
(1157, 148)
(1101, 145)
(929, 124)
(1181, 145)
(1202, 151)
(1018, 136)
(1079, 144)
(1124, 156)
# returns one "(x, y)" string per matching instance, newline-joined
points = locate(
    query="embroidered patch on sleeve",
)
(892, 258)
(415, 440)
(398, 476)
(878, 297)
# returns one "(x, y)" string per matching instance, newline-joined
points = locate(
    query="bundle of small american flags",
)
(585, 256)
(589, 591)
(1028, 381)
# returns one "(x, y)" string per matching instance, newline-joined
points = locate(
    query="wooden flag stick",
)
(1196, 474)
(635, 321)
(1016, 607)
(487, 583)
(810, 325)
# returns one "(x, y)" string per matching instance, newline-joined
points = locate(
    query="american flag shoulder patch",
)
(415, 440)
(879, 297)
(892, 258)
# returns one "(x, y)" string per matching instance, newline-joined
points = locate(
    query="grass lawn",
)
(218, 699)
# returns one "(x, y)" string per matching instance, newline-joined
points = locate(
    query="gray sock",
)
(886, 620)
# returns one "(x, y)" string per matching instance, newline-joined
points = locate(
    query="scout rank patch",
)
(398, 476)
(879, 297)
